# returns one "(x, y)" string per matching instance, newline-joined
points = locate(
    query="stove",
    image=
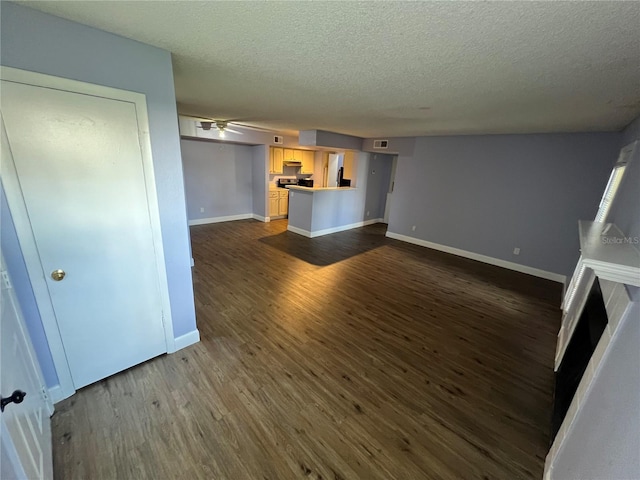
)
(284, 182)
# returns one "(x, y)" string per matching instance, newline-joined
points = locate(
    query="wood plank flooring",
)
(350, 356)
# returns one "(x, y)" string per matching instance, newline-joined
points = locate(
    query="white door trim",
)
(23, 226)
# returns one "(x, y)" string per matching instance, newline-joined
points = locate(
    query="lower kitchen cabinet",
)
(274, 204)
(278, 202)
(283, 208)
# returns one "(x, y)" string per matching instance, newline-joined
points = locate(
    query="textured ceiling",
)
(392, 68)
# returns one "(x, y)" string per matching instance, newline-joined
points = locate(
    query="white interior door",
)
(25, 434)
(79, 165)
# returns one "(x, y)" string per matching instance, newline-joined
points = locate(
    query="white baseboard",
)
(260, 218)
(56, 394)
(327, 231)
(299, 231)
(185, 340)
(481, 258)
(227, 218)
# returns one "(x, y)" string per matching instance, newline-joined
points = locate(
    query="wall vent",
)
(278, 139)
(381, 144)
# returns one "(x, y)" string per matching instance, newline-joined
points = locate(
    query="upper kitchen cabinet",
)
(308, 159)
(276, 160)
(298, 155)
(288, 153)
(349, 161)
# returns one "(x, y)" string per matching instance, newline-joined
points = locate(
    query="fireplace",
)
(591, 324)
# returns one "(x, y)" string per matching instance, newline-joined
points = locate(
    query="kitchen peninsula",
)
(323, 210)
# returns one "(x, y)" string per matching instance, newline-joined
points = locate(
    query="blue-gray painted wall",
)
(39, 42)
(326, 209)
(259, 169)
(603, 441)
(379, 176)
(17, 270)
(489, 194)
(625, 211)
(218, 177)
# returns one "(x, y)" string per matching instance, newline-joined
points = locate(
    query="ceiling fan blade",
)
(230, 130)
(251, 127)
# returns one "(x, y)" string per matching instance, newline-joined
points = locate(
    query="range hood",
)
(292, 163)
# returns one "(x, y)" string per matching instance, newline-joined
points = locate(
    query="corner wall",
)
(603, 441)
(17, 269)
(259, 170)
(35, 41)
(489, 194)
(625, 211)
(218, 179)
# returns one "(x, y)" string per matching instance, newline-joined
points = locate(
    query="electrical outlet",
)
(516, 251)
(201, 209)
(367, 213)
(413, 228)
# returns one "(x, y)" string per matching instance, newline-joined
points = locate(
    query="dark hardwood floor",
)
(350, 356)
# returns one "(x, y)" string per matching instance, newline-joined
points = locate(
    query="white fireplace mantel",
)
(609, 253)
(613, 258)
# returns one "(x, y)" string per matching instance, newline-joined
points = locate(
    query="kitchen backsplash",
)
(289, 172)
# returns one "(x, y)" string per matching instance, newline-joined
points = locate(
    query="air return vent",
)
(381, 144)
(278, 139)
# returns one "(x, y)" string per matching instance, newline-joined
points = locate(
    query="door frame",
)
(26, 238)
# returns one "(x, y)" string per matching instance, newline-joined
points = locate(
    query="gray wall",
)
(35, 41)
(324, 209)
(378, 184)
(334, 209)
(218, 178)
(604, 441)
(301, 209)
(625, 211)
(322, 138)
(259, 169)
(22, 287)
(631, 132)
(489, 194)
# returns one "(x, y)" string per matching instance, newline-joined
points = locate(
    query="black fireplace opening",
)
(592, 322)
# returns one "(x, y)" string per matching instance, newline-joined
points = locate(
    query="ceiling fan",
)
(221, 125)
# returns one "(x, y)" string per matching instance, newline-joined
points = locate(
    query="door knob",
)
(16, 397)
(58, 275)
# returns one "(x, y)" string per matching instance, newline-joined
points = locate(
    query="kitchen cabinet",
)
(298, 155)
(276, 159)
(278, 202)
(283, 204)
(288, 153)
(308, 159)
(274, 204)
(349, 161)
(279, 155)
